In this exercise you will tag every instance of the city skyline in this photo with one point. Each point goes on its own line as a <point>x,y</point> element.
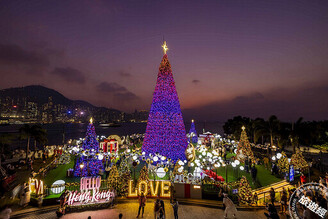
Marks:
<point>228,58</point>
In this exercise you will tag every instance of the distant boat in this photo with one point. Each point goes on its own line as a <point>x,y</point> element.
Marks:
<point>113,124</point>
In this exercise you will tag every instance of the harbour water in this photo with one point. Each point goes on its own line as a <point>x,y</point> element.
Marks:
<point>77,130</point>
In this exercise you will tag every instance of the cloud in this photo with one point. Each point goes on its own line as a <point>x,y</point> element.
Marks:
<point>117,91</point>
<point>288,104</point>
<point>70,75</point>
<point>31,61</point>
<point>124,74</point>
<point>195,81</point>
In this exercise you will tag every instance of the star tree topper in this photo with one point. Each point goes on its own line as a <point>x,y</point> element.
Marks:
<point>164,47</point>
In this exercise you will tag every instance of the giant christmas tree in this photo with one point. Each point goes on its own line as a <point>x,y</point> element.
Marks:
<point>193,133</point>
<point>165,132</point>
<point>88,159</point>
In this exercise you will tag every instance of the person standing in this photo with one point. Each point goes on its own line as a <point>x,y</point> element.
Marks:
<point>142,203</point>
<point>175,206</point>
<point>229,206</point>
<point>162,210</point>
<point>156,208</point>
<point>284,201</point>
<point>272,195</point>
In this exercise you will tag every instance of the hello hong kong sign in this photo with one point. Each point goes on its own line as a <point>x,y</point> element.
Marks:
<point>89,193</point>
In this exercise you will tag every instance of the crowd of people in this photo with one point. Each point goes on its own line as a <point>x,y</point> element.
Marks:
<point>159,207</point>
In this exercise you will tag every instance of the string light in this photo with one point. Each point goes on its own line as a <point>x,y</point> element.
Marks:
<point>165,132</point>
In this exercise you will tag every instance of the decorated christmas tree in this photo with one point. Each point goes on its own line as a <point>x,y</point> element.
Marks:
<point>114,178</point>
<point>88,163</point>
<point>298,161</point>
<point>283,163</point>
<point>245,191</point>
<point>144,177</point>
<point>193,133</point>
<point>244,149</point>
<point>165,132</point>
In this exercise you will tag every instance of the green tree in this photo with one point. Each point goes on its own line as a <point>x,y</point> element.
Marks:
<point>269,128</point>
<point>5,140</point>
<point>39,135</point>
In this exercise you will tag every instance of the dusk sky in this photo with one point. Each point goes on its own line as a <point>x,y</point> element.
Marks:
<point>250,58</point>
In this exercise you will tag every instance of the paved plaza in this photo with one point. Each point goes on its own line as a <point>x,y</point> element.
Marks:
<point>129,210</point>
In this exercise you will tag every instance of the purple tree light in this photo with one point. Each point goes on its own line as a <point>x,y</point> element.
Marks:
<point>165,132</point>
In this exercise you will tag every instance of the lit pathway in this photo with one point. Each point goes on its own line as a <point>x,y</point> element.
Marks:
<point>129,210</point>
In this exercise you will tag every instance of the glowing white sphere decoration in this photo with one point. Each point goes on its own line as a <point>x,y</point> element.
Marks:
<point>58,187</point>
<point>180,163</point>
<point>237,162</point>
<point>163,158</point>
<point>233,165</point>
<point>204,153</point>
<point>134,157</point>
<point>155,158</point>
<point>241,167</point>
<point>160,172</point>
<point>274,158</point>
<point>192,164</point>
<point>180,169</point>
<point>279,155</point>
<point>197,172</point>
<point>100,156</point>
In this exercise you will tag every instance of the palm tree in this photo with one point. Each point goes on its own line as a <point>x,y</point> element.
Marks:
<point>39,135</point>
<point>296,133</point>
<point>26,133</point>
<point>269,128</point>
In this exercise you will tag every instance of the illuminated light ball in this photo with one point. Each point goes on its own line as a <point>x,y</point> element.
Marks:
<point>160,172</point>
<point>279,155</point>
<point>163,158</point>
<point>218,164</point>
<point>197,172</point>
<point>209,154</point>
<point>185,161</point>
<point>180,169</point>
<point>235,151</point>
<point>58,187</point>
<point>241,167</point>
<point>200,156</point>
<point>274,158</point>
<point>100,157</point>
<point>289,160</point>
<point>138,161</point>
<point>199,142</point>
<point>204,153</point>
<point>155,158</point>
<point>180,163</point>
<point>208,168</point>
<point>210,160</point>
<point>143,153</point>
<point>233,165</point>
<point>128,150</point>
<point>237,162</point>
<point>134,157</point>
<point>192,164</point>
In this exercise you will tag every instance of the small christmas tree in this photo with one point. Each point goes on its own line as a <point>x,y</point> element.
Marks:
<point>193,133</point>
<point>144,177</point>
<point>88,159</point>
<point>124,166</point>
<point>123,185</point>
<point>114,178</point>
<point>244,148</point>
<point>245,191</point>
<point>298,161</point>
<point>283,163</point>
